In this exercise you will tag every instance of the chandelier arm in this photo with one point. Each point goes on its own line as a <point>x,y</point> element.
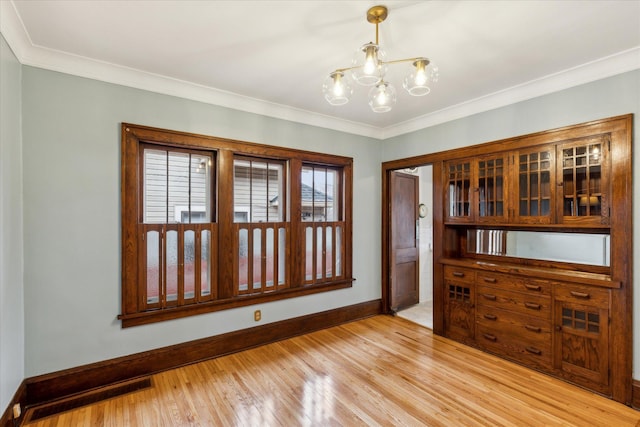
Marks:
<point>397,61</point>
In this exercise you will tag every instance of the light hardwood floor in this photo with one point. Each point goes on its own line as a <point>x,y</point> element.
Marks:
<point>379,371</point>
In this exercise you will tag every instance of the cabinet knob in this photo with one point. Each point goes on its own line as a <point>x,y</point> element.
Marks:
<point>458,274</point>
<point>533,287</point>
<point>490,316</point>
<point>532,328</point>
<point>558,328</point>
<point>532,306</point>
<point>489,297</point>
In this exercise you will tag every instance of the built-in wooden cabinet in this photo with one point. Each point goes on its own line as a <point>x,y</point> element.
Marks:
<point>581,334</point>
<point>460,300</point>
<point>560,315</point>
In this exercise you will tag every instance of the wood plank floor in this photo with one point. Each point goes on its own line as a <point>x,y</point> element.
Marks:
<point>382,371</point>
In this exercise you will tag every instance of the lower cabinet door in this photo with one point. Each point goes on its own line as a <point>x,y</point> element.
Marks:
<point>460,311</point>
<point>581,353</point>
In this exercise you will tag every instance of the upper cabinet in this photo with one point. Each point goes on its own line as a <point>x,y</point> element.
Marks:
<point>560,183</point>
<point>583,175</point>
<point>534,180</point>
<point>476,190</point>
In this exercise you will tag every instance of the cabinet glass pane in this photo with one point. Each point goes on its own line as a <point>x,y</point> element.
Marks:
<point>491,187</point>
<point>459,176</point>
<point>582,174</point>
<point>534,182</point>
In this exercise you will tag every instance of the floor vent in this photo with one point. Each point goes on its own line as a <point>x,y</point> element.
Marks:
<point>73,402</point>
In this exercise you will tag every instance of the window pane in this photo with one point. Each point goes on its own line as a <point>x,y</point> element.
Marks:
<point>243,259</point>
<point>178,190</point>
<point>241,190</point>
<point>282,235</point>
<point>258,191</point>
<point>257,258</point>
<point>153,267</point>
<point>308,265</point>
<point>189,264</point>
<point>200,189</point>
<point>205,262</point>
<point>319,252</point>
<point>155,187</point>
<point>275,193</point>
<point>270,242</point>
<point>338,251</point>
<point>329,252</point>
<point>171,270</point>
<point>320,194</point>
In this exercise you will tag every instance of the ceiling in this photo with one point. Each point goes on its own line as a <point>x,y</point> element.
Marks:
<point>271,57</point>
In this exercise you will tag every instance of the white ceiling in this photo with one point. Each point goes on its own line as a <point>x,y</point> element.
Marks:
<point>271,57</point>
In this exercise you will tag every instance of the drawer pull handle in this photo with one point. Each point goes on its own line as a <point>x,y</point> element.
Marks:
<point>532,306</point>
<point>458,274</point>
<point>532,328</point>
<point>490,316</point>
<point>489,297</point>
<point>583,295</point>
<point>489,279</point>
<point>533,287</point>
<point>490,337</point>
<point>533,350</point>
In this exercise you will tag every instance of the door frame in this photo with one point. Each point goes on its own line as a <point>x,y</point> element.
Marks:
<point>435,161</point>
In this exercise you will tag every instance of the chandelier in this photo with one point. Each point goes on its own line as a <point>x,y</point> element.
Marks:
<point>369,67</point>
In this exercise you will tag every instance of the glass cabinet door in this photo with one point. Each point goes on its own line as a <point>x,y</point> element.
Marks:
<point>458,192</point>
<point>491,202</point>
<point>535,180</point>
<point>584,180</point>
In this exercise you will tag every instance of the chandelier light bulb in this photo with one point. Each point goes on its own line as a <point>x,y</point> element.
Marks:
<point>418,80</point>
<point>382,97</point>
<point>336,88</point>
<point>368,67</point>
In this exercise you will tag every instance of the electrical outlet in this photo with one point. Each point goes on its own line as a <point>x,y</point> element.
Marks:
<point>257,315</point>
<point>17,411</point>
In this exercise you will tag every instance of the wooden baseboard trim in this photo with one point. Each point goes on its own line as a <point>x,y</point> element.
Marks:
<point>93,396</point>
<point>635,394</point>
<point>62,384</point>
<point>19,397</point>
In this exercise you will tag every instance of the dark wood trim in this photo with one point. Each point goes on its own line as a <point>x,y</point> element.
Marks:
<point>19,397</point>
<point>58,385</point>
<point>635,401</point>
<point>93,396</point>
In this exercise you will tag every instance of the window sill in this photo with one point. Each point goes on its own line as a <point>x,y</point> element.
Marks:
<point>154,316</point>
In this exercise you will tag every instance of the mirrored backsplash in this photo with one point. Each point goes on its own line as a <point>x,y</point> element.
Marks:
<point>579,248</point>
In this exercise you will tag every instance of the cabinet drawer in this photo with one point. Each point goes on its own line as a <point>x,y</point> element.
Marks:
<point>519,284</point>
<point>458,274</point>
<point>530,305</point>
<point>527,330</point>
<point>497,341</point>
<point>588,295</point>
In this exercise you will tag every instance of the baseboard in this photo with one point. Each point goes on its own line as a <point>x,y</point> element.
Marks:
<point>62,384</point>
<point>19,397</point>
<point>635,394</point>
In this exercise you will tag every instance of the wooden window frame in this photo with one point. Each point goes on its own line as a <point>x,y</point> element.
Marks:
<point>223,297</point>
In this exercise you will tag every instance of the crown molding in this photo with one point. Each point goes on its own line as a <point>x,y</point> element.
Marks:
<point>13,30</point>
<point>609,66</point>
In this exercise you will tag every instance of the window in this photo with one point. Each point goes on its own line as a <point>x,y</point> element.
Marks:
<point>260,230</point>
<point>210,224</point>
<point>323,226</point>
